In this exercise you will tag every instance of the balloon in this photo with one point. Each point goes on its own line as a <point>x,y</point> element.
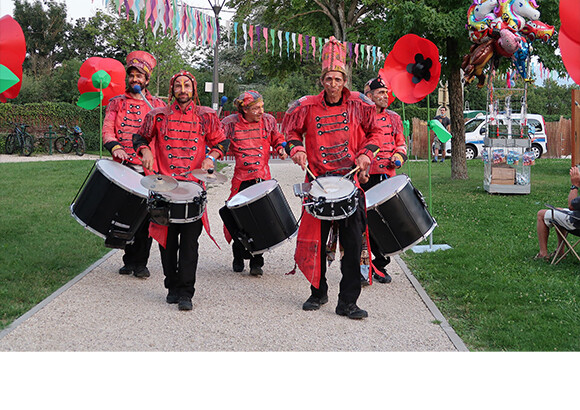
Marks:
<point>106,72</point>
<point>12,54</point>
<point>412,68</point>
<point>570,18</point>
<point>570,50</point>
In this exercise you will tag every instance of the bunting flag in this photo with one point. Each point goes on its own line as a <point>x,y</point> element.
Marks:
<point>251,33</point>
<point>301,44</point>
<point>280,41</point>
<point>245,28</point>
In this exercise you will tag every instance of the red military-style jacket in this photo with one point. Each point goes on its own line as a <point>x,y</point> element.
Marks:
<point>392,141</point>
<point>332,137</point>
<point>124,116</point>
<point>250,144</point>
<point>178,139</point>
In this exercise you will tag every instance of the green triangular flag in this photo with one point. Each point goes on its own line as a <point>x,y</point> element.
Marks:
<point>7,78</point>
<point>406,128</point>
<point>101,79</point>
<point>90,100</point>
<point>440,131</point>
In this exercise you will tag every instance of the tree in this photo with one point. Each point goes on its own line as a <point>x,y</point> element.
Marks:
<point>45,33</point>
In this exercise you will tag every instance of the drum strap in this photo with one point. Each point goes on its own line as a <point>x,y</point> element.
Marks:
<point>83,184</point>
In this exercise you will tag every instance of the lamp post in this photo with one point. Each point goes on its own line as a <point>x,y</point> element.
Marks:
<point>217,7</point>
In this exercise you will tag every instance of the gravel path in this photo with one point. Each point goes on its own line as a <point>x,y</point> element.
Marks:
<point>101,310</point>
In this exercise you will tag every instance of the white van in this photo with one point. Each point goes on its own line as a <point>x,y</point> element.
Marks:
<point>475,130</point>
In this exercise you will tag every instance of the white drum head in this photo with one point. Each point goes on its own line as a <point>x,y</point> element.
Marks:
<point>385,190</point>
<point>335,187</point>
<point>252,193</point>
<point>121,175</point>
<point>184,193</point>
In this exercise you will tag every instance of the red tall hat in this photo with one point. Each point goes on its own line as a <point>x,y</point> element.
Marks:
<point>333,57</point>
<point>142,61</point>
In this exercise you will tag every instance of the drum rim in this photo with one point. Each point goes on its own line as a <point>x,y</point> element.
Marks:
<point>84,224</point>
<point>124,187</point>
<point>276,185</point>
<point>269,248</point>
<point>395,192</point>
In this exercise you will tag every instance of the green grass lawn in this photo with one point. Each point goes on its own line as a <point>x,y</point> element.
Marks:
<point>487,286</point>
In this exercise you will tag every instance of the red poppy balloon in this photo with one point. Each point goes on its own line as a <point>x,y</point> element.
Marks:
<point>569,38</point>
<point>106,72</point>
<point>12,53</point>
<point>412,68</point>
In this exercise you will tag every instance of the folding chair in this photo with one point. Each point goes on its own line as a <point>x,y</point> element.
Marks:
<point>562,233</point>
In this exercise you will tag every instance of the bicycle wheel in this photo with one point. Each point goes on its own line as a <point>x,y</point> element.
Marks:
<point>27,145</point>
<point>10,144</point>
<point>80,146</point>
<point>63,145</point>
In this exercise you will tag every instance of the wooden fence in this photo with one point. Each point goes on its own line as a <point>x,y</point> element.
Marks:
<point>559,138</point>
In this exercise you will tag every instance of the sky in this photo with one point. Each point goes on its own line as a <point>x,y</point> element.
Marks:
<point>87,8</point>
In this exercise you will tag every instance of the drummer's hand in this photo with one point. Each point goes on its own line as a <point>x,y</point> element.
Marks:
<point>363,162</point>
<point>147,159</point>
<point>363,177</point>
<point>397,160</point>
<point>121,154</point>
<point>300,159</point>
<point>282,153</point>
<point>207,164</point>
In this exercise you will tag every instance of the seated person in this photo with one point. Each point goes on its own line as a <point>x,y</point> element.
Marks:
<point>568,219</point>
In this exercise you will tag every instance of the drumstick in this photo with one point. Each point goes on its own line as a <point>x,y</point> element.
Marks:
<point>315,180</point>
<point>358,166</point>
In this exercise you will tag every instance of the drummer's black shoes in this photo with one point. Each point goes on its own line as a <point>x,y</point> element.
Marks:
<point>127,270</point>
<point>256,271</point>
<point>314,303</point>
<point>184,303</point>
<point>351,310</point>
<point>172,298</point>
<point>141,272</point>
<point>238,265</point>
<point>380,279</point>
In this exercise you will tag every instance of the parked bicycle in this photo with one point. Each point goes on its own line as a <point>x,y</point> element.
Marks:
<point>73,140</point>
<point>19,140</point>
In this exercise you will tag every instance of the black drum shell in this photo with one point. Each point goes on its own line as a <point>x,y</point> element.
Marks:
<point>103,206</point>
<point>263,223</point>
<point>400,222</point>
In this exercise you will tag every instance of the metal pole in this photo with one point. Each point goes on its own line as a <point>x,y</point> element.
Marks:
<point>215,84</point>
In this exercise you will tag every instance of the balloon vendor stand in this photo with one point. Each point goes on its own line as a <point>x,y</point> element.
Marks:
<point>507,154</point>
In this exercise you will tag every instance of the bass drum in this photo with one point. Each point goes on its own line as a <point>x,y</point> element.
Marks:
<point>259,217</point>
<point>397,215</point>
<point>111,203</point>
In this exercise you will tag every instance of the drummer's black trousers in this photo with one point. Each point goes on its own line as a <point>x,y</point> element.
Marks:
<point>179,258</point>
<point>137,253</point>
<point>379,260</point>
<point>350,232</point>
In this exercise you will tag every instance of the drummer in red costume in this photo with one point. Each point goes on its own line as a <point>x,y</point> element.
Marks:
<point>331,133</point>
<point>123,117</point>
<point>391,157</point>
<point>178,135</point>
<point>251,133</point>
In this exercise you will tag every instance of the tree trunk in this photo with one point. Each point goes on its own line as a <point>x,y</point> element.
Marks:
<point>458,161</point>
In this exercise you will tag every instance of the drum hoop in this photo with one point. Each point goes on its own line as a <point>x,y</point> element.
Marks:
<point>395,192</point>
<point>124,187</point>
<point>282,242</point>
<point>422,238</point>
<point>84,224</point>
<point>337,199</point>
<point>265,193</point>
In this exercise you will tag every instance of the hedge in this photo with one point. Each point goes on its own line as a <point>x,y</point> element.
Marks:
<point>38,117</point>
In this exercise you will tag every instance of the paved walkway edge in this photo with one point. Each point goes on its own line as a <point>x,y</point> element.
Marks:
<point>455,339</point>
<point>55,294</point>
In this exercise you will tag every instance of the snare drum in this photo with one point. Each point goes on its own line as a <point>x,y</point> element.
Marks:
<point>112,203</point>
<point>338,202</point>
<point>397,215</point>
<point>181,205</point>
<point>259,217</point>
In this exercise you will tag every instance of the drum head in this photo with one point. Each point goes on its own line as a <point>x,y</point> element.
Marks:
<point>184,192</point>
<point>252,193</point>
<point>335,187</point>
<point>385,190</point>
<point>123,176</point>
